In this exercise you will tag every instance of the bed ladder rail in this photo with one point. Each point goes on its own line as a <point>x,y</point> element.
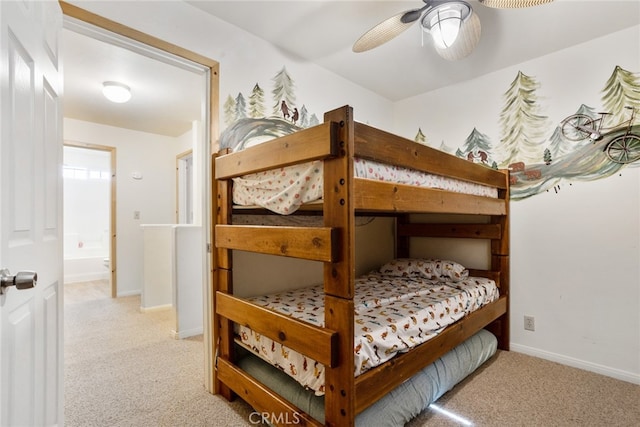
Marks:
<point>320,344</point>
<point>315,143</point>
<point>311,243</point>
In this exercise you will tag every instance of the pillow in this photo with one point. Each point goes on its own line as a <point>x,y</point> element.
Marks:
<point>438,269</point>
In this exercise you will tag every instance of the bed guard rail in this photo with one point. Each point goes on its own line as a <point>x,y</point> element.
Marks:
<point>318,343</point>
<point>315,143</point>
<point>381,146</point>
<point>311,243</point>
<point>375,383</point>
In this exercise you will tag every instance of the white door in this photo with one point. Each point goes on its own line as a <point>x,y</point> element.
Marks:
<point>31,320</point>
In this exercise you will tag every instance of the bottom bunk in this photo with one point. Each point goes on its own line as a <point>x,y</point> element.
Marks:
<point>398,406</point>
<point>404,304</point>
<point>407,315</point>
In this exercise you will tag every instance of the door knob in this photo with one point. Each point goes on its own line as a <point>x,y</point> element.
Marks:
<point>22,280</point>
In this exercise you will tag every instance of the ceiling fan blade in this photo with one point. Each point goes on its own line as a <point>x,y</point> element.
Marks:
<point>413,15</point>
<point>465,43</point>
<point>512,4</point>
<point>383,32</point>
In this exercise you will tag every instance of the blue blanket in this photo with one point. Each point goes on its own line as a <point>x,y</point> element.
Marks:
<point>400,405</point>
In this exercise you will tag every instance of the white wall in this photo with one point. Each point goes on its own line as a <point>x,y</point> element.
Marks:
<point>244,59</point>
<point>153,156</point>
<point>574,254</point>
<point>586,225</point>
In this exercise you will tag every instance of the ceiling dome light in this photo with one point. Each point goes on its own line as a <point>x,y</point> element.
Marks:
<point>116,92</point>
<point>443,22</point>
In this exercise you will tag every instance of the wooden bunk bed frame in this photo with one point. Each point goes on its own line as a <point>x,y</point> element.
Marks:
<point>336,142</point>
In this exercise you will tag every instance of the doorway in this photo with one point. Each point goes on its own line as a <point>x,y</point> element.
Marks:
<point>184,190</point>
<point>117,33</point>
<point>90,214</point>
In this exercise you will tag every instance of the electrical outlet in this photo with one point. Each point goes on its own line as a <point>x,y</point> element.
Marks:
<point>529,323</point>
<point>136,214</point>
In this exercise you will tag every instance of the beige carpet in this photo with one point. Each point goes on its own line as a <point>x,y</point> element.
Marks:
<point>124,369</point>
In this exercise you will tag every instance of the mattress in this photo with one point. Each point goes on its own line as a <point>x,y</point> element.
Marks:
<point>393,314</point>
<point>401,404</point>
<point>284,190</point>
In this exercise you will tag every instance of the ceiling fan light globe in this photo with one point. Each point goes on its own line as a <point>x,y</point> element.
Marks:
<point>466,42</point>
<point>445,28</point>
<point>444,20</point>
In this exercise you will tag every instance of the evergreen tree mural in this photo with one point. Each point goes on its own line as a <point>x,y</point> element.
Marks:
<point>547,156</point>
<point>283,90</point>
<point>621,90</point>
<point>523,128</point>
<point>559,145</point>
<point>256,102</point>
<point>478,144</point>
<point>445,148</point>
<point>420,138</point>
<point>304,117</point>
<point>229,108</point>
<point>241,107</point>
<point>313,120</point>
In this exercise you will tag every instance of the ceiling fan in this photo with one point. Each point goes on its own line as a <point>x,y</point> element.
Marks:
<point>452,24</point>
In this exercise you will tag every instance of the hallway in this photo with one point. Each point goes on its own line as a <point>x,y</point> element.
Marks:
<point>122,368</point>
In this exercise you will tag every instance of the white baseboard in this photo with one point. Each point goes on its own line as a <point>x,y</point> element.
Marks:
<point>577,363</point>
<point>156,308</point>
<point>129,293</point>
<point>85,277</point>
<point>186,334</point>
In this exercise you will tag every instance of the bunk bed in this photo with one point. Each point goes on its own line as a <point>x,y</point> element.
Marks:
<point>337,148</point>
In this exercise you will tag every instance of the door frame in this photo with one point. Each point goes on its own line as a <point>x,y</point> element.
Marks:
<point>113,265</point>
<point>213,131</point>
<point>180,159</point>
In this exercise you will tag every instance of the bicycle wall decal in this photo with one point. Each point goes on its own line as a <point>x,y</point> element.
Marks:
<point>622,149</point>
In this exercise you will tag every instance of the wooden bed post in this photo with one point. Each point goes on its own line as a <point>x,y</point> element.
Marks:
<point>222,281</point>
<point>500,262</point>
<point>339,277</point>
<point>402,241</point>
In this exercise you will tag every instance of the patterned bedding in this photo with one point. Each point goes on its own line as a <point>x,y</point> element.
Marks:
<point>284,190</point>
<point>393,314</point>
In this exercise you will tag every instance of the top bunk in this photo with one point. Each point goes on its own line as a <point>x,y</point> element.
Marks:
<point>382,172</point>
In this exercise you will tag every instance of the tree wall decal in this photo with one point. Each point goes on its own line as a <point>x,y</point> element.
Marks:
<point>256,102</point>
<point>621,90</point>
<point>229,111</point>
<point>477,145</point>
<point>283,90</point>
<point>523,127</point>
<point>241,106</point>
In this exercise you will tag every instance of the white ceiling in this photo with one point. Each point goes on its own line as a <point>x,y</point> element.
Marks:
<point>166,97</point>
<point>323,32</point>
